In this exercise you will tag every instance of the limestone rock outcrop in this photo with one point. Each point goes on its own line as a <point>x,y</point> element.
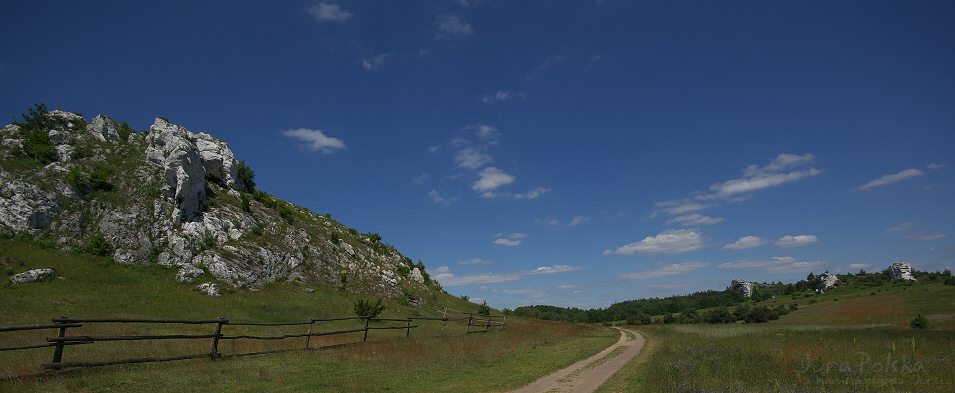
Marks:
<point>901,271</point>
<point>825,281</point>
<point>175,199</point>
<point>745,288</point>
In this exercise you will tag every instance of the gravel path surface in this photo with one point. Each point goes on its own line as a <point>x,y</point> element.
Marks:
<point>587,375</point>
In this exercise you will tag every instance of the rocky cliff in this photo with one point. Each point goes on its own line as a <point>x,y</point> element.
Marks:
<point>176,198</point>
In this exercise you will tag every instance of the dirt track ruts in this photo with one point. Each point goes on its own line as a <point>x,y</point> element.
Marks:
<point>581,378</point>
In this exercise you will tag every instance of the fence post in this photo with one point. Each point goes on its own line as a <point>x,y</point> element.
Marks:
<point>366,328</point>
<point>214,349</point>
<point>470,317</point>
<point>309,336</point>
<point>503,322</point>
<point>408,334</point>
<point>444,320</point>
<point>58,351</point>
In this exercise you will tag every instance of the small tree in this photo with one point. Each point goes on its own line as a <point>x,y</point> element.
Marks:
<point>247,176</point>
<point>484,309</point>
<point>365,308</point>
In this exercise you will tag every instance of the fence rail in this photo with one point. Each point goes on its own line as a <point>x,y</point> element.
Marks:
<point>63,324</point>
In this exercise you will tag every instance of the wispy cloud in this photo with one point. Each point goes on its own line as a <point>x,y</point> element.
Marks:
<point>476,261</point>
<point>888,179</point>
<point>773,174</point>
<point>472,158</point>
<point>796,241</point>
<point>671,241</point>
<point>665,270</point>
<point>452,26</point>
<point>447,279</point>
<point>901,227</point>
<point>775,265</point>
<point>578,220</point>
<point>437,198</point>
<point>501,95</point>
<point>329,12</point>
<point>511,240</point>
<point>375,63</point>
<point>694,219</point>
<point>925,236</point>
<point>316,140</point>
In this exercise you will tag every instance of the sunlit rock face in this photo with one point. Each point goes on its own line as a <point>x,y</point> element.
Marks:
<point>744,288</point>
<point>901,271</point>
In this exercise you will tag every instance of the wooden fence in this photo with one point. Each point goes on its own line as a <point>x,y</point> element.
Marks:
<point>475,324</point>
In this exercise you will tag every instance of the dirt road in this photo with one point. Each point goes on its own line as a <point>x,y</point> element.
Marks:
<point>587,375</point>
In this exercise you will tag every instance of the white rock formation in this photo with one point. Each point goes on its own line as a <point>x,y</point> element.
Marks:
<point>31,276</point>
<point>103,129</point>
<point>210,289</point>
<point>744,288</point>
<point>170,147</point>
<point>23,206</point>
<point>825,281</point>
<point>901,271</point>
<point>187,273</point>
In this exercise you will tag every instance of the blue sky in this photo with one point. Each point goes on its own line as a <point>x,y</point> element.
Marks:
<point>571,153</point>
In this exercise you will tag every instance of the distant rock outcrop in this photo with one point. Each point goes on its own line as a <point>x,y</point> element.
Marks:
<point>744,288</point>
<point>901,271</point>
<point>825,281</point>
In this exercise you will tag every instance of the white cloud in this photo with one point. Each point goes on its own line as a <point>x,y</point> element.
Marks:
<point>756,177</point>
<point>437,198</point>
<point>775,265</point>
<point>746,242</point>
<point>491,178</point>
<point>375,62</point>
<point>578,220</point>
<point>476,261</point>
<point>472,158</point>
<point>887,179</point>
<point>501,95</point>
<point>901,227</point>
<point>329,12</point>
<point>422,178</point>
<point>795,241</point>
<point>452,26</point>
<point>666,270</point>
<point>936,166</point>
<point>447,279</point>
<point>507,242</point>
<point>694,220</point>
<point>316,140</point>
<point>925,236</point>
<point>532,193</point>
<point>680,207</point>
<point>553,269</point>
<point>671,241</point>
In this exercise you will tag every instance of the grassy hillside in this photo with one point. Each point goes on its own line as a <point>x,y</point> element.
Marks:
<point>432,359</point>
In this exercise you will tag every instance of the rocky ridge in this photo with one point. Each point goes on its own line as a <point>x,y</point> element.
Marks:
<point>174,197</point>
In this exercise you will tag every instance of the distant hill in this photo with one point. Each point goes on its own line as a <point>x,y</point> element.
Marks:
<point>176,198</point>
<point>689,308</point>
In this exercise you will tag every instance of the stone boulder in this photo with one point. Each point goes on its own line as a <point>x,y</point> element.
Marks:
<point>901,271</point>
<point>103,129</point>
<point>187,273</point>
<point>825,281</point>
<point>210,289</point>
<point>31,276</point>
<point>744,288</point>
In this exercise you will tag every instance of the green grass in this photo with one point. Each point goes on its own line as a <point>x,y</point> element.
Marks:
<point>860,342</point>
<point>430,360</point>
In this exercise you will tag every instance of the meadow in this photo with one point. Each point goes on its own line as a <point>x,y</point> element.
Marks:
<point>855,341</point>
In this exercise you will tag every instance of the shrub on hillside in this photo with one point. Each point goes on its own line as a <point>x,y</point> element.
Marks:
<point>247,175</point>
<point>365,308</point>
<point>98,245</point>
<point>484,309</point>
<point>919,322</point>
